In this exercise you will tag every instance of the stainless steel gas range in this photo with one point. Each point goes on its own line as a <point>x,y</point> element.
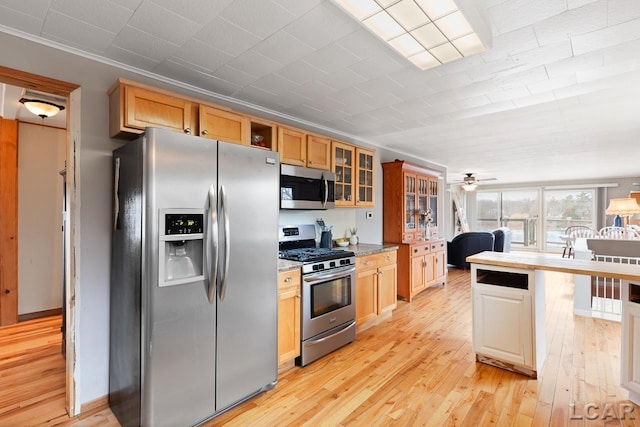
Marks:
<point>328,292</point>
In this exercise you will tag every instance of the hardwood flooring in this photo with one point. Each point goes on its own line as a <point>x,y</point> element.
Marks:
<point>415,368</point>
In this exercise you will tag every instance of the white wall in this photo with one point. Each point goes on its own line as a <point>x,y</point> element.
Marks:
<point>41,154</point>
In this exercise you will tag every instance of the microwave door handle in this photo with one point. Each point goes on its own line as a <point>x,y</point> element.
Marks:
<point>326,191</point>
<point>227,242</point>
<point>212,258</point>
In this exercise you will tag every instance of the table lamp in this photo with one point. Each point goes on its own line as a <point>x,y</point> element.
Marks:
<point>624,207</point>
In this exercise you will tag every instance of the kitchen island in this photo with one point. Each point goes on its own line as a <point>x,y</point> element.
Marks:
<point>509,310</point>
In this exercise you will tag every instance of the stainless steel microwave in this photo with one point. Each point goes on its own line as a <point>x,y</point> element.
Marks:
<point>306,188</point>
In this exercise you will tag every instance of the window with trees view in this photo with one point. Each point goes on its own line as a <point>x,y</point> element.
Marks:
<point>519,210</point>
<point>564,208</point>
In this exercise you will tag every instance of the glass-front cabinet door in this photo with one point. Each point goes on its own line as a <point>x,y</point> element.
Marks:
<point>409,206</point>
<point>423,202</point>
<point>433,201</point>
<point>343,156</point>
<point>365,177</point>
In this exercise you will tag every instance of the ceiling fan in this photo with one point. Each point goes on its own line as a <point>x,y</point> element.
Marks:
<point>470,182</point>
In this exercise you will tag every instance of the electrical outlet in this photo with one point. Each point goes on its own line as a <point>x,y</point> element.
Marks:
<point>369,215</point>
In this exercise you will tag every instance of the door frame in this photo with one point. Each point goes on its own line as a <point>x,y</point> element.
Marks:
<point>71,235</point>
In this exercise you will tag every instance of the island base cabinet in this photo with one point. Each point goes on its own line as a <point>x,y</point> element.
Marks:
<point>508,318</point>
<point>630,372</point>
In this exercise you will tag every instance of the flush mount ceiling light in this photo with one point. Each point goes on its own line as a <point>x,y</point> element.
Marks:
<point>41,108</point>
<point>426,32</point>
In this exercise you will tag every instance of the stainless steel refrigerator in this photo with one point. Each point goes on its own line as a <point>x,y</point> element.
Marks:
<point>193,278</point>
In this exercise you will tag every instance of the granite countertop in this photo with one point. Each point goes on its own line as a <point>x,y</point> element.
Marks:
<point>286,265</point>
<point>361,249</point>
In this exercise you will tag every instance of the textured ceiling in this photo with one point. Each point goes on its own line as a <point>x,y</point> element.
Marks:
<point>557,97</point>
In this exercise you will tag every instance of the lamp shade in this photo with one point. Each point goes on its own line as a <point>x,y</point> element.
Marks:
<point>623,207</point>
<point>41,108</point>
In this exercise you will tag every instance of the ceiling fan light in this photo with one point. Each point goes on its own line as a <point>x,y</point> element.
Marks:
<point>469,186</point>
<point>41,108</point>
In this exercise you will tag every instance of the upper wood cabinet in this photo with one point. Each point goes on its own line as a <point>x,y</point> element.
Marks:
<point>264,134</point>
<point>364,183</point>
<point>292,146</point>
<point>223,125</point>
<point>298,148</point>
<point>353,167</point>
<point>133,108</point>
<point>343,165</point>
<point>318,152</point>
<point>409,192</point>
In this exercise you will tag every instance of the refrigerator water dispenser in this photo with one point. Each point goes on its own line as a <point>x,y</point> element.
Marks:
<point>181,246</point>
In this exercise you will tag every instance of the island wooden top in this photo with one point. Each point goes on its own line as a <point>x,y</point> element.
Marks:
<point>551,262</point>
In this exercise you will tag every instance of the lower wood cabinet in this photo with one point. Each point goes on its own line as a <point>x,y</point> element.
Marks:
<point>289,293</point>
<point>421,265</point>
<point>376,286</point>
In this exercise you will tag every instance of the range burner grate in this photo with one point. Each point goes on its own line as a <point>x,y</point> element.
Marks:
<point>313,254</point>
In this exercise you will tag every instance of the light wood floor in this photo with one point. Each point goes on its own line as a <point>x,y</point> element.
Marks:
<point>417,368</point>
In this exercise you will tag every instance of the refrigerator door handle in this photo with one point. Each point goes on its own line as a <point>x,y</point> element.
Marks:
<point>212,258</point>
<point>227,242</point>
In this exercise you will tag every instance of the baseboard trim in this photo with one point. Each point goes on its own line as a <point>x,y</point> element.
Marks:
<point>39,314</point>
<point>95,405</point>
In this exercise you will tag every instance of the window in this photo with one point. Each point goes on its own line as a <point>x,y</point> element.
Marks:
<point>519,210</point>
<point>516,209</point>
<point>564,208</point>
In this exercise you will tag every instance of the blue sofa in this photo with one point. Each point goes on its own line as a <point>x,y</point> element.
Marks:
<point>465,244</point>
<point>502,239</point>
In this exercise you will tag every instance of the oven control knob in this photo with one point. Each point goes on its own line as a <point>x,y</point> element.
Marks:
<point>332,264</point>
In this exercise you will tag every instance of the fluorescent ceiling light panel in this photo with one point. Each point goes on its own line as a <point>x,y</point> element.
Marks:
<point>429,36</point>
<point>408,14</point>
<point>406,45</point>
<point>454,25</point>
<point>427,32</point>
<point>362,9</point>
<point>384,26</point>
<point>469,44</point>
<point>424,60</point>
<point>437,8</point>
<point>446,53</point>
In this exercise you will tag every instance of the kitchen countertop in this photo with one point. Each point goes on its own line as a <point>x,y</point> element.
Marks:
<point>361,249</point>
<point>553,262</point>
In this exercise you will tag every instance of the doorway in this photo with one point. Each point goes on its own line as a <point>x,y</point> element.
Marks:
<point>8,228</point>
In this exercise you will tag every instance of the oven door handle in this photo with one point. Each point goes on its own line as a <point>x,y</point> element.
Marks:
<point>327,277</point>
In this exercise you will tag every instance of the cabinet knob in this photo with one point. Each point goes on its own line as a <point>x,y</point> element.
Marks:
<point>288,280</point>
<point>310,162</point>
<point>298,296</point>
<point>415,251</point>
<point>187,131</point>
<point>366,262</point>
<point>205,132</point>
<point>7,291</point>
<point>388,258</point>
